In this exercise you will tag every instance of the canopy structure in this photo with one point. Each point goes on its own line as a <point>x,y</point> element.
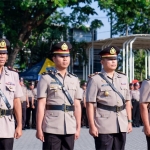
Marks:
<point>127,44</point>
<point>34,72</point>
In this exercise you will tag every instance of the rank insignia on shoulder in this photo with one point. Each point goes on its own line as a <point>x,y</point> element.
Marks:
<point>12,69</point>
<point>73,74</point>
<point>147,79</point>
<point>93,74</point>
<point>44,73</point>
<point>121,72</point>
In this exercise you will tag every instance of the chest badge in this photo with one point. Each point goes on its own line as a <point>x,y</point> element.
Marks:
<point>106,93</point>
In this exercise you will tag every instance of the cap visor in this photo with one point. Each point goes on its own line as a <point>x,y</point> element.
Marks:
<point>63,55</point>
<point>110,58</point>
<point>3,51</point>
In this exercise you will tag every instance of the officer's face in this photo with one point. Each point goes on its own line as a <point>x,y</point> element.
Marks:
<point>136,87</point>
<point>61,62</point>
<point>31,86</point>
<point>109,63</point>
<point>3,59</point>
<point>21,83</point>
<point>83,87</point>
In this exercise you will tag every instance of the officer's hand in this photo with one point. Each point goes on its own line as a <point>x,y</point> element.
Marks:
<point>93,131</point>
<point>39,135</point>
<point>18,132</point>
<point>27,105</point>
<point>129,127</point>
<point>33,106</point>
<point>147,131</point>
<point>76,136</point>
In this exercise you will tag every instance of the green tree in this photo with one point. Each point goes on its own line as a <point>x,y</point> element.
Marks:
<point>21,21</point>
<point>129,17</point>
<point>139,64</point>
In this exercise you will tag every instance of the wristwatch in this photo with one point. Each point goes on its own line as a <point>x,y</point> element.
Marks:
<point>130,121</point>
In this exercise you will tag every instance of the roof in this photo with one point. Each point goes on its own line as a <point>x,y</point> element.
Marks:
<point>142,41</point>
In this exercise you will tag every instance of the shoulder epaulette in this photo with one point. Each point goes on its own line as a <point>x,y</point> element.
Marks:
<point>73,74</point>
<point>44,73</point>
<point>121,72</point>
<point>147,79</point>
<point>47,72</point>
<point>12,69</point>
<point>93,74</point>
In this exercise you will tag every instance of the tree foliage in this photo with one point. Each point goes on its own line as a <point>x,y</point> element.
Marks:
<point>22,21</point>
<point>129,17</point>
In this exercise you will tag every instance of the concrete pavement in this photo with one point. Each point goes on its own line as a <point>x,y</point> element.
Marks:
<point>135,141</point>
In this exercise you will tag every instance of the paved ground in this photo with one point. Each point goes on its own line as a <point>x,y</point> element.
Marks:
<point>135,141</point>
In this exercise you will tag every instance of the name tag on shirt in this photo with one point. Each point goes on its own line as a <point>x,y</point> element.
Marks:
<point>104,85</point>
<point>123,83</point>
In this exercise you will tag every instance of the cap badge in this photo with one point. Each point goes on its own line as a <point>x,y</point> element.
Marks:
<point>112,51</point>
<point>64,47</point>
<point>3,44</point>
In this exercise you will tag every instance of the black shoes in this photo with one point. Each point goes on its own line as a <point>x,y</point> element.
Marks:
<point>27,127</point>
<point>24,128</point>
<point>135,125</point>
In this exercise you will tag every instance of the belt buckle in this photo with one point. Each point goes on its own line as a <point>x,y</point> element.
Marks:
<point>117,108</point>
<point>1,113</point>
<point>65,108</point>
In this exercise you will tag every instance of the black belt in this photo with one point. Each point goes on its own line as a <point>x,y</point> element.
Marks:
<point>111,108</point>
<point>4,112</point>
<point>133,100</point>
<point>60,107</point>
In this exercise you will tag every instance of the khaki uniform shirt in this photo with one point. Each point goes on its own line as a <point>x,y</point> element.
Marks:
<point>82,91</point>
<point>145,93</point>
<point>135,94</point>
<point>109,121</point>
<point>35,93</point>
<point>57,121</point>
<point>30,95</point>
<point>9,85</point>
<point>25,94</point>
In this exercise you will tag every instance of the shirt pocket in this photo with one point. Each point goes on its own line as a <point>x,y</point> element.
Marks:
<point>11,90</point>
<point>53,90</point>
<point>51,115</point>
<point>71,89</point>
<point>71,114</point>
<point>123,90</point>
<point>100,113</point>
<point>106,91</point>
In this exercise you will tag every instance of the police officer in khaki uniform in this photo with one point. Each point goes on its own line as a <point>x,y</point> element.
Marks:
<point>34,91</point>
<point>135,97</point>
<point>108,104</point>
<point>24,102</point>
<point>10,91</point>
<point>31,104</point>
<point>84,120</point>
<point>144,108</point>
<point>58,116</point>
